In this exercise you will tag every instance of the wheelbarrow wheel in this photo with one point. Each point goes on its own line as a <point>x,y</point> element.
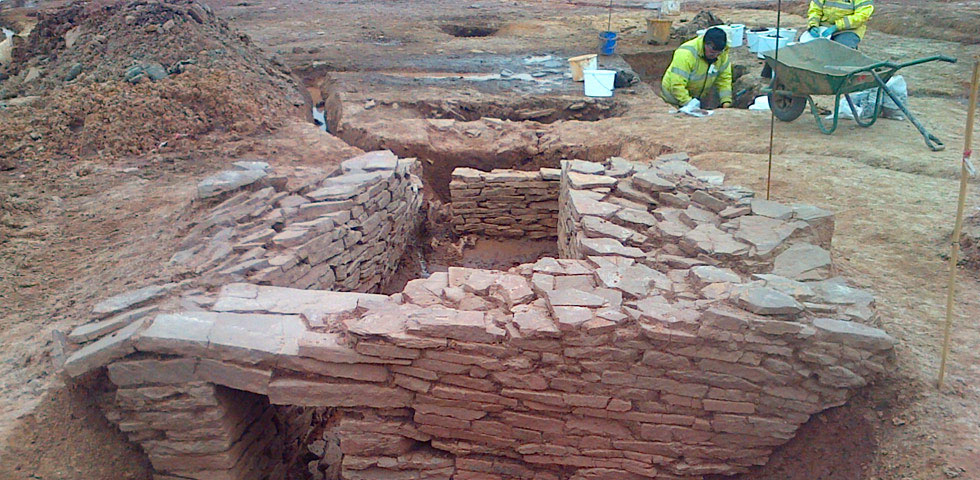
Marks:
<point>786,107</point>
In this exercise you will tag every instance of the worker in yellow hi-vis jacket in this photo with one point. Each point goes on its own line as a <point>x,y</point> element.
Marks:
<point>699,70</point>
<point>843,21</point>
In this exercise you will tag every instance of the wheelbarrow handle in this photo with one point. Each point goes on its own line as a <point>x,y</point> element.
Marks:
<point>941,58</point>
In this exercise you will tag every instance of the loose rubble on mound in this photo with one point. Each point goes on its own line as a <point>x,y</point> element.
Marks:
<point>132,78</point>
<point>688,329</point>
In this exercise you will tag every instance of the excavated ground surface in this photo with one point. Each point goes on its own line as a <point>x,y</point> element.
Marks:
<point>75,231</point>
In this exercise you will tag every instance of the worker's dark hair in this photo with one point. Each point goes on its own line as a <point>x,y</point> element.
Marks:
<point>716,37</point>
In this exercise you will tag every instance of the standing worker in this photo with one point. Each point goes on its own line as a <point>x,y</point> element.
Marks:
<point>699,73</point>
<point>843,21</point>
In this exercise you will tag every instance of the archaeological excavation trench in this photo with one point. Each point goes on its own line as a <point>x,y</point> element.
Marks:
<point>683,328</point>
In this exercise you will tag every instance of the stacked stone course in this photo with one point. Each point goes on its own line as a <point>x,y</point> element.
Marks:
<point>505,203</point>
<point>681,340</point>
<point>344,232</point>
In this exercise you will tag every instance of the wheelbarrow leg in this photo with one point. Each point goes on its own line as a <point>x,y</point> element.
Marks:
<point>816,115</point>
<point>932,142</point>
<point>874,117</point>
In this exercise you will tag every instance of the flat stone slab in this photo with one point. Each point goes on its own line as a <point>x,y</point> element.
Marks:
<point>581,166</point>
<point>768,301</point>
<point>535,323</point>
<point>637,280</point>
<point>439,322</point>
<point>798,290</point>
<point>674,167</point>
<point>572,297</point>
<point>311,393</point>
<point>836,291</point>
<point>768,208</point>
<point>246,338</point>
<point>570,318</point>
<point>609,246</point>
<point>104,350</point>
<point>132,298</point>
<point>245,297</point>
<point>91,331</point>
<point>764,233</point>
<point>641,218</point>
<point>585,181</point>
<point>597,227</point>
<point>228,181</point>
<point>706,274</point>
<point>584,202</point>
<point>652,182</point>
<point>803,261</point>
<point>709,239</point>
<point>371,161</point>
<point>336,191</point>
<point>384,321</point>
<point>856,334</point>
<point>328,347</point>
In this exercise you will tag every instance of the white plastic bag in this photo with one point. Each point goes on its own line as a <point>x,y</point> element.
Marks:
<point>865,100</point>
<point>761,103</point>
<point>844,110</point>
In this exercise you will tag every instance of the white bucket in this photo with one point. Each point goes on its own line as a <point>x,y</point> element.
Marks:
<point>599,83</point>
<point>768,43</point>
<point>670,7</point>
<point>752,38</point>
<point>787,32</point>
<point>736,32</point>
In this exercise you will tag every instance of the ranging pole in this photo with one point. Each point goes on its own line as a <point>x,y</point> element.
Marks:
<point>772,114</point>
<point>966,170</point>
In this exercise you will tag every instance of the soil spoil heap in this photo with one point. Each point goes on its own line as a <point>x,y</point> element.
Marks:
<point>128,78</point>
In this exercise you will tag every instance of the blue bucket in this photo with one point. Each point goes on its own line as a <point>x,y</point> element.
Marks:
<point>607,43</point>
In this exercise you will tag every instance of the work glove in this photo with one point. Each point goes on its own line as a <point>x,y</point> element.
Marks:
<point>814,32</point>
<point>829,32</point>
<point>691,106</point>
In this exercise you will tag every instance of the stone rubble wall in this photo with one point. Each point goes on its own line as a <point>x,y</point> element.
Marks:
<point>674,213</point>
<point>505,203</point>
<point>650,355</point>
<point>344,232</point>
<point>193,429</point>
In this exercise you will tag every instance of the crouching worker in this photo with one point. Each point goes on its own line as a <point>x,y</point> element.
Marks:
<point>843,21</point>
<point>700,75</point>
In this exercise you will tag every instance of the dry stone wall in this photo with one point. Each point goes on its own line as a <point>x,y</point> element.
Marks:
<point>505,203</point>
<point>662,350</point>
<point>344,232</point>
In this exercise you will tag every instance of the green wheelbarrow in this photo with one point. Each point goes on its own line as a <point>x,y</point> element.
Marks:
<point>825,67</point>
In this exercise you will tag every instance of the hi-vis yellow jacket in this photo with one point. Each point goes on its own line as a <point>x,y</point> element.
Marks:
<point>847,15</point>
<point>691,76</point>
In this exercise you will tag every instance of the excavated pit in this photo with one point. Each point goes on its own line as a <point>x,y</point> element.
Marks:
<point>469,30</point>
<point>650,66</point>
<point>541,110</point>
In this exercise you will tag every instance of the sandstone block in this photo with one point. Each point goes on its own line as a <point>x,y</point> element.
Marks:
<point>312,393</point>
<point>131,299</point>
<point>152,371</point>
<point>91,331</point>
<point>104,350</point>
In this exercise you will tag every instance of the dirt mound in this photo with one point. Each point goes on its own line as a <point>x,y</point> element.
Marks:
<point>688,30</point>
<point>126,78</point>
